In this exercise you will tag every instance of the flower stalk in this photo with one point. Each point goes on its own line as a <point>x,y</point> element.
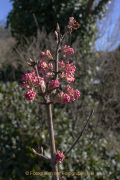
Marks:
<point>52,142</point>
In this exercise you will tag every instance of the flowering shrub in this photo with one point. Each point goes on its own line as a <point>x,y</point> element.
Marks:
<point>53,72</point>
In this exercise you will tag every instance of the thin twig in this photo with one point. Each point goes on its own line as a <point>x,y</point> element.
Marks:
<point>36,21</point>
<point>48,91</point>
<point>80,134</point>
<point>56,61</point>
<point>41,155</point>
<point>43,103</point>
<point>63,37</point>
<point>51,60</point>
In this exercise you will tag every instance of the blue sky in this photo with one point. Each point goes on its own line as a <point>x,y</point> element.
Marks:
<point>108,40</point>
<point>5,7</point>
<point>109,28</point>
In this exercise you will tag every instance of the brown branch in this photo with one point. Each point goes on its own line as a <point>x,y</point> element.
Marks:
<point>57,54</point>
<point>89,6</point>
<point>43,103</point>
<point>52,141</point>
<point>41,155</point>
<point>48,91</point>
<point>63,37</point>
<point>80,134</point>
<point>51,60</point>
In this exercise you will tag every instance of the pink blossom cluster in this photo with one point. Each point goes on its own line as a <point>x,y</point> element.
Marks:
<point>30,81</point>
<point>67,95</point>
<point>30,95</point>
<point>46,70</point>
<point>67,50</point>
<point>74,94</point>
<point>59,157</point>
<point>67,71</point>
<point>43,68</point>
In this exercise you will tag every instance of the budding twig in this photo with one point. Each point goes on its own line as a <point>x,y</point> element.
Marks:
<point>36,70</point>
<point>63,37</point>
<point>57,54</point>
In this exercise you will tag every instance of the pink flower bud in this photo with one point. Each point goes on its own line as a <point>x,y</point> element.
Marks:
<point>48,77</point>
<point>25,84</point>
<point>61,98</point>
<point>53,84</point>
<point>59,157</point>
<point>30,95</point>
<point>42,67</point>
<point>67,50</point>
<point>74,94</point>
<point>46,56</point>
<point>50,66</point>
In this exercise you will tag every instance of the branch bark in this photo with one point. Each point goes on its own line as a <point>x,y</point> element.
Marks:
<point>52,142</point>
<point>89,6</point>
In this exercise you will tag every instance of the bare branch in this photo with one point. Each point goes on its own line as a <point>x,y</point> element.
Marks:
<point>80,133</point>
<point>41,155</point>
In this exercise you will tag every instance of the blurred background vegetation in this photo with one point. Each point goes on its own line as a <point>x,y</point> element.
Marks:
<point>23,124</point>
